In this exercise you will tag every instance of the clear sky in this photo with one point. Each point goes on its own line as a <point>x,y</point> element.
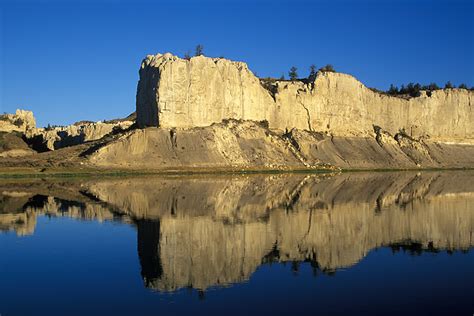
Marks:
<point>76,60</point>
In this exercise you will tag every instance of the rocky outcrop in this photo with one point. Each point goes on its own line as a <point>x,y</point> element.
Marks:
<point>174,92</point>
<point>22,121</point>
<point>43,139</point>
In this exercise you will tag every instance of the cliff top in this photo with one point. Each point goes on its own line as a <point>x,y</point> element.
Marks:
<point>161,60</point>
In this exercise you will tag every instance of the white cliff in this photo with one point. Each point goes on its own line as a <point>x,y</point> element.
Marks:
<point>174,92</point>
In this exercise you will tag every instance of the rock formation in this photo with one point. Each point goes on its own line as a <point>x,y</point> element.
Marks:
<point>214,114</point>
<point>43,139</point>
<point>22,121</point>
<point>174,92</point>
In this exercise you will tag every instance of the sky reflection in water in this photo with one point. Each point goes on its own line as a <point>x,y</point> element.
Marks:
<point>366,243</point>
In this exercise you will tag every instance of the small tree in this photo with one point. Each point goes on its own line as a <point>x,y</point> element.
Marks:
<point>433,86</point>
<point>448,85</point>
<point>282,77</point>
<point>402,90</point>
<point>293,74</point>
<point>312,72</point>
<point>199,50</point>
<point>393,90</point>
<point>187,55</point>
<point>416,90</point>
<point>462,86</point>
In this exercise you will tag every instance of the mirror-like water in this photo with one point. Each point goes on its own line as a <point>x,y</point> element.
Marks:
<point>371,243</point>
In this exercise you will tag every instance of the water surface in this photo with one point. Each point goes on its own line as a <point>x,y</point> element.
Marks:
<point>358,243</point>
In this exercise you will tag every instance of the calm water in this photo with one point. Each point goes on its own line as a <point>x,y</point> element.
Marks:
<point>362,243</point>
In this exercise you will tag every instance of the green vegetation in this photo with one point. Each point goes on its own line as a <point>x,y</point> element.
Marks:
<point>199,50</point>
<point>414,89</point>
<point>312,72</point>
<point>293,74</point>
<point>327,68</point>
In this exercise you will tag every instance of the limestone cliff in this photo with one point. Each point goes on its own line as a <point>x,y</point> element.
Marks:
<point>174,92</point>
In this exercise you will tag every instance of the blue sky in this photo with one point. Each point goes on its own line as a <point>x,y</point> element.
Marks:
<point>75,60</point>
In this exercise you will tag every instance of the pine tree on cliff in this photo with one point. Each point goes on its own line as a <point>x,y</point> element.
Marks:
<point>199,50</point>
<point>433,86</point>
<point>187,55</point>
<point>393,90</point>
<point>312,72</point>
<point>293,74</point>
<point>448,85</point>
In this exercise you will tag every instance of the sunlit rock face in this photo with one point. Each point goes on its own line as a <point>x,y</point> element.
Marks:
<point>22,121</point>
<point>202,232</point>
<point>251,145</point>
<point>173,92</point>
<point>44,139</point>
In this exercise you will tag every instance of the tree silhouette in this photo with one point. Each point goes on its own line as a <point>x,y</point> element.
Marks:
<point>199,50</point>
<point>312,72</point>
<point>393,90</point>
<point>293,74</point>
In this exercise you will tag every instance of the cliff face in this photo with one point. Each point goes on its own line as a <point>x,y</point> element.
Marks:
<point>174,92</point>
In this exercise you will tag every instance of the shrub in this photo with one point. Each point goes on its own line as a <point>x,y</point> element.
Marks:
<point>327,68</point>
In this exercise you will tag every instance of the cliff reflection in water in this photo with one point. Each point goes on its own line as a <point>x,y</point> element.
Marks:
<point>209,231</point>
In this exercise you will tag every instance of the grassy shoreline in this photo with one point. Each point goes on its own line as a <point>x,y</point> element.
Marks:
<point>6,173</point>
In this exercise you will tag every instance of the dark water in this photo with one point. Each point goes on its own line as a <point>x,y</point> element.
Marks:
<point>362,243</point>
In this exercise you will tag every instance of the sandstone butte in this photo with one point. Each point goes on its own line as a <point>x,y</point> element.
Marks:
<point>213,113</point>
<point>174,92</point>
